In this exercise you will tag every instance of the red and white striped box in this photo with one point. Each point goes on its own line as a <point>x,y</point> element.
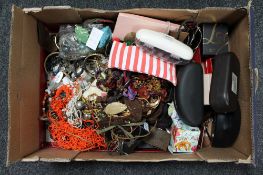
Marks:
<point>135,59</point>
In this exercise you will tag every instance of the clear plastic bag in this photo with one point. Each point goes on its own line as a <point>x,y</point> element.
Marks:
<point>71,49</point>
<point>72,40</point>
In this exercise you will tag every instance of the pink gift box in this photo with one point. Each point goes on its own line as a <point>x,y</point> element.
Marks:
<point>127,23</point>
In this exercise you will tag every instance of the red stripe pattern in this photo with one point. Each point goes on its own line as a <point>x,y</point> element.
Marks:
<point>133,58</point>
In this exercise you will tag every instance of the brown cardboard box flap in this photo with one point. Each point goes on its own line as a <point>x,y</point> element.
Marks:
<point>136,157</point>
<point>38,9</point>
<point>23,87</point>
<point>221,155</point>
<point>166,14</point>
<point>239,44</point>
<point>13,108</point>
<point>207,154</point>
<point>75,15</point>
<point>56,14</point>
<point>230,16</point>
<point>60,155</point>
<point>51,155</point>
<point>173,15</point>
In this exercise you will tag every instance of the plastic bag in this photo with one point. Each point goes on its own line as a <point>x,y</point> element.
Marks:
<point>73,39</point>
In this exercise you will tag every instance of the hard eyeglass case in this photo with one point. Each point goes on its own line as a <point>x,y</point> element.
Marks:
<point>164,46</point>
<point>226,128</point>
<point>224,84</point>
<point>189,94</point>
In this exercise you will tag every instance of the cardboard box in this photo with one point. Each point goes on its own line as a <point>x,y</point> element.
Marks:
<point>26,76</point>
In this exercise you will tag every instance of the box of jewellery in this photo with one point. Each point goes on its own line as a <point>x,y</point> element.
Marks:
<point>81,88</point>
